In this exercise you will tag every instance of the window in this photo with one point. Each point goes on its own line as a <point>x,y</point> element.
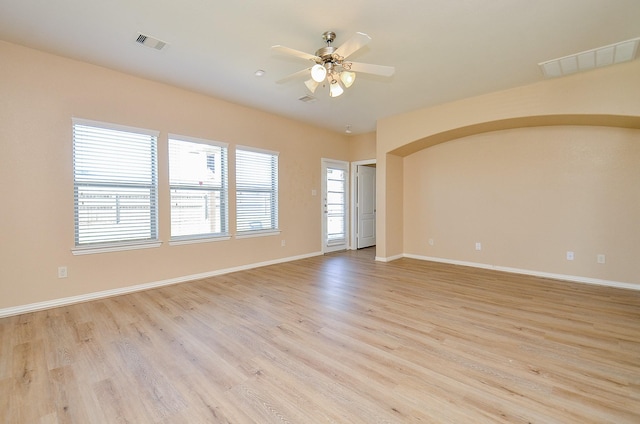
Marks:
<point>198,183</point>
<point>256,190</point>
<point>336,206</point>
<point>115,184</point>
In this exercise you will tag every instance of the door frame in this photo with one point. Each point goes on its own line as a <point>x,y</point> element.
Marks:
<point>353,219</point>
<point>347,204</point>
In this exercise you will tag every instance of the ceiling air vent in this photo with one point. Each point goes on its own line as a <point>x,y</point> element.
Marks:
<point>308,99</point>
<point>149,41</point>
<point>624,51</point>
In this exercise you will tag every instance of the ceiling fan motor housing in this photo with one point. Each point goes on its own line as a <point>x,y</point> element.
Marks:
<point>329,59</point>
<point>326,53</point>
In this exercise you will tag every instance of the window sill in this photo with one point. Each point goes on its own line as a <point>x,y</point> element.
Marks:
<point>263,233</point>
<point>193,240</point>
<point>119,247</point>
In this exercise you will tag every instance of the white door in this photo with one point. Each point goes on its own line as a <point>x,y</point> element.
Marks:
<point>335,206</point>
<point>366,206</point>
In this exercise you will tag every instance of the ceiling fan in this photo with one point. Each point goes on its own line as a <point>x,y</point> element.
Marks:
<point>331,64</point>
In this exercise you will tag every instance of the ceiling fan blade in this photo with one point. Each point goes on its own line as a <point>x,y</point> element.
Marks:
<point>299,74</point>
<point>293,52</point>
<point>367,68</point>
<point>354,43</point>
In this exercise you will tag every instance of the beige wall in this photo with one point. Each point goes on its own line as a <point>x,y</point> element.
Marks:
<point>529,195</point>
<point>39,95</point>
<point>394,221</point>
<point>606,97</point>
<point>362,147</point>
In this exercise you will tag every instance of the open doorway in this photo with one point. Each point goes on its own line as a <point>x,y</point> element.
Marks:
<point>363,184</point>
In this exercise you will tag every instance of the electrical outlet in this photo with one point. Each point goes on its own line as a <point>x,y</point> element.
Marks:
<point>431,242</point>
<point>62,272</point>
<point>478,246</point>
<point>570,255</point>
<point>283,243</point>
<point>601,259</point>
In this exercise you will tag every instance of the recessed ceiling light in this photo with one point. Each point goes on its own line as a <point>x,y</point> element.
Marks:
<point>624,51</point>
<point>259,73</point>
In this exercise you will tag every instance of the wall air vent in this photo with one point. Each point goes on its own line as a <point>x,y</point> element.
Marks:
<point>623,51</point>
<point>151,42</point>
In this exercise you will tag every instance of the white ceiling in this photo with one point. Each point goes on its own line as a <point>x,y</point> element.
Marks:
<point>442,50</point>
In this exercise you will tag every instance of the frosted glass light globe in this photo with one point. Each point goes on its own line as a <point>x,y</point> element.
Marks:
<point>318,73</point>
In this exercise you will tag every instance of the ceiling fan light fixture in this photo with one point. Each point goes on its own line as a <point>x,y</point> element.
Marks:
<point>318,73</point>
<point>347,78</point>
<point>329,65</point>
<point>312,85</point>
<point>335,89</point>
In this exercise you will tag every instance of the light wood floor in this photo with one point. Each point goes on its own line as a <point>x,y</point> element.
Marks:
<point>334,339</point>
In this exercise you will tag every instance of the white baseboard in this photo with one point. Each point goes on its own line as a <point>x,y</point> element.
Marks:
<point>563,277</point>
<point>389,258</point>
<point>55,303</point>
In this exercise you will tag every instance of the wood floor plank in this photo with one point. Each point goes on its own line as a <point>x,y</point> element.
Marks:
<point>67,396</point>
<point>6,347</point>
<point>30,395</point>
<point>334,339</point>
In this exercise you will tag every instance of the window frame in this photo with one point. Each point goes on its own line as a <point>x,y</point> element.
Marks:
<point>127,243</point>
<point>274,229</point>
<point>224,193</point>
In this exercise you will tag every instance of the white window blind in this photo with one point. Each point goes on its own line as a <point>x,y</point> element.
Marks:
<point>198,183</point>
<point>115,184</point>
<point>256,190</point>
